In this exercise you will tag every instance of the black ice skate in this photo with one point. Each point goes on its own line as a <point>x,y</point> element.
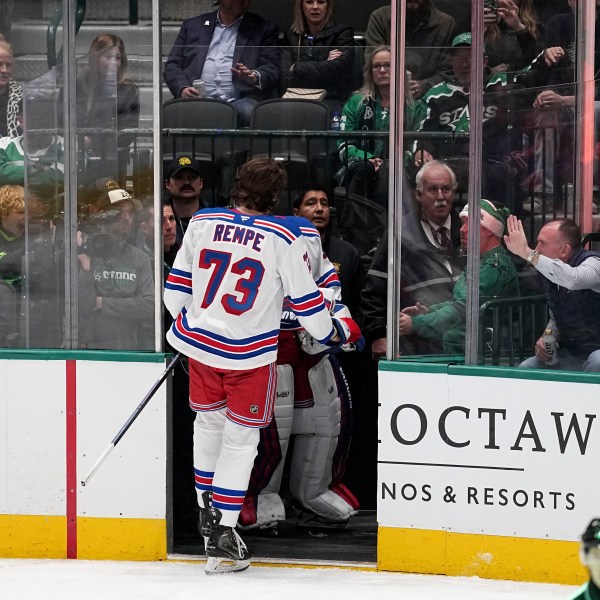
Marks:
<point>204,517</point>
<point>225,549</point>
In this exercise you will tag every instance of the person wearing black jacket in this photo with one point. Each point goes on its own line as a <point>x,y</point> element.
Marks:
<point>360,422</point>
<point>235,53</point>
<point>318,52</point>
<point>430,262</point>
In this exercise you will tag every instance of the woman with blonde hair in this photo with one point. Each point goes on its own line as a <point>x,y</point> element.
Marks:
<point>368,110</point>
<point>318,52</point>
<point>11,93</point>
<point>512,35</point>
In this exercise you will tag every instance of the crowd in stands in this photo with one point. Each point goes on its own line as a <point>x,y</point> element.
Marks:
<point>243,59</point>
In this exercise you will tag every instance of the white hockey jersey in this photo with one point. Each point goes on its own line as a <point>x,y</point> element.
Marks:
<point>322,270</point>
<point>227,285</point>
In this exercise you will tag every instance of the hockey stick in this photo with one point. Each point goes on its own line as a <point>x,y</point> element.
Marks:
<point>134,415</point>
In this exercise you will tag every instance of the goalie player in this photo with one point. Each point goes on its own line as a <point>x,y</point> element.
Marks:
<point>313,403</point>
<point>225,293</point>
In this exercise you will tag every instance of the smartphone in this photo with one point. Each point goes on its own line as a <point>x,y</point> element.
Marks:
<point>491,4</point>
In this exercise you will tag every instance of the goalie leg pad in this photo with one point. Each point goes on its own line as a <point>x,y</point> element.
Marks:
<point>263,506</point>
<point>317,432</point>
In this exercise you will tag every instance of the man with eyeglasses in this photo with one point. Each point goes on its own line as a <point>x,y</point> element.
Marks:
<point>429,32</point>
<point>430,262</point>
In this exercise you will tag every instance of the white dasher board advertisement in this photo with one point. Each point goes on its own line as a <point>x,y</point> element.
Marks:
<point>495,456</point>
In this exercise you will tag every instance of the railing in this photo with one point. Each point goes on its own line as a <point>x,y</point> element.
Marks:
<point>134,12</point>
<point>509,328</point>
<point>55,58</point>
<point>322,164</point>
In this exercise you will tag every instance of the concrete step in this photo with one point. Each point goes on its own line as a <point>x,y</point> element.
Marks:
<point>173,10</point>
<point>31,66</point>
<point>29,37</point>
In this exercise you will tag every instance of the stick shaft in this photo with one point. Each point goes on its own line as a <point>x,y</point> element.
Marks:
<point>134,415</point>
<point>97,464</point>
<point>140,407</point>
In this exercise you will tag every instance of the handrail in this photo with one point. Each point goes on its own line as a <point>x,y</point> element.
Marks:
<point>55,58</point>
<point>590,238</point>
<point>507,327</point>
<point>309,133</point>
<point>513,300</point>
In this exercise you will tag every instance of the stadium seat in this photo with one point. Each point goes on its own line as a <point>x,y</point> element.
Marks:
<point>214,153</point>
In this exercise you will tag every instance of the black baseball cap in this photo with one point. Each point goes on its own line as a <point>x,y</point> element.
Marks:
<point>183,162</point>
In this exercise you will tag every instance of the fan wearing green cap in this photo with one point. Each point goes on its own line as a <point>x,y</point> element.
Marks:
<point>590,557</point>
<point>428,32</point>
<point>444,323</point>
<point>445,108</point>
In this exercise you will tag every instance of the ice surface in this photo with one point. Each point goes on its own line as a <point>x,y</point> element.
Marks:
<point>108,580</point>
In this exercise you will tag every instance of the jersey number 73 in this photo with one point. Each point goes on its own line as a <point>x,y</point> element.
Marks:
<point>250,273</point>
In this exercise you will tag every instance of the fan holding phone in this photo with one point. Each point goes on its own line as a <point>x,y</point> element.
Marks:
<point>512,35</point>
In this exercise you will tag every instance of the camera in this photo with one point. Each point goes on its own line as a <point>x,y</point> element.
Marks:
<point>94,241</point>
<point>104,244</point>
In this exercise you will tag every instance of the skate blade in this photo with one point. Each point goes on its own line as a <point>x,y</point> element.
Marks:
<point>221,566</point>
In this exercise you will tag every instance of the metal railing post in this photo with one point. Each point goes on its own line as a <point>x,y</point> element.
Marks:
<point>134,12</point>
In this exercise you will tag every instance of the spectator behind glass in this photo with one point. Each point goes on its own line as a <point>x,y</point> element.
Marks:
<point>107,98</point>
<point>116,287</point>
<point>505,102</point>
<point>368,110</point>
<point>511,35</point>
<point>233,51</point>
<point>428,35</point>
<point>11,93</point>
<point>12,228</point>
<point>318,52</point>
<point>38,151</point>
<point>444,323</point>
<point>570,279</point>
<point>430,261</point>
<point>554,113</point>
<point>12,249</point>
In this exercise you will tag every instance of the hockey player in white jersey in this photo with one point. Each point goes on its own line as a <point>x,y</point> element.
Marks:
<point>225,293</point>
